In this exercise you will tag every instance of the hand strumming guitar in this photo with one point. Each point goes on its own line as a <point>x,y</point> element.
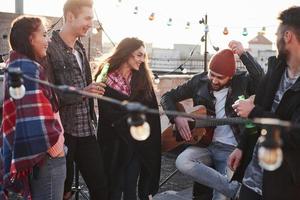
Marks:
<point>183,127</point>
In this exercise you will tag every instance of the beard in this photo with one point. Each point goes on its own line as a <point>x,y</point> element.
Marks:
<point>218,87</point>
<point>281,50</point>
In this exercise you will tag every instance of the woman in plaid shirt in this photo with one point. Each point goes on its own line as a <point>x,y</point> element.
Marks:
<point>128,161</point>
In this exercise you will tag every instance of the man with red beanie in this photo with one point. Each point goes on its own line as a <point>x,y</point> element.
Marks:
<point>217,90</point>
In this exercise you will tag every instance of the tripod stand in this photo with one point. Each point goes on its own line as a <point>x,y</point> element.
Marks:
<point>77,188</point>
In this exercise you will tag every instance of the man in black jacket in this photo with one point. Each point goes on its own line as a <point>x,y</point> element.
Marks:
<point>217,90</point>
<point>68,65</point>
<point>277,97</point>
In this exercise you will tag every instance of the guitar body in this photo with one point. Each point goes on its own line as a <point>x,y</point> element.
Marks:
<point>171,138</point>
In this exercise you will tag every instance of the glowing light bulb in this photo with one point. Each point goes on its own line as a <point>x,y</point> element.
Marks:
<point>188,25</point>
<point>206,29</point>
<point>151,17</point>
<point>141,132</point>
<point>225,31</point>
<point>17,92</point>
<point>94,31</point>
<point>269,159</point>
<point>136,10</point>
<point>245,32</point>
<point>263,30</point>
<point>156,80</point>
<point>169,22</point>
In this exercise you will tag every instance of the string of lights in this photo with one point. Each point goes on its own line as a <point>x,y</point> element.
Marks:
<point>54,24</point>
<point>270,153</point>
<point>187,24</point>
<point>101,28</point>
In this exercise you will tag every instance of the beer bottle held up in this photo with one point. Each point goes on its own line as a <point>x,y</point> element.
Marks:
<point>248,125</point>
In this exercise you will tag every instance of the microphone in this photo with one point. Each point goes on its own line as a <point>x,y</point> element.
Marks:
<point>15,81</point>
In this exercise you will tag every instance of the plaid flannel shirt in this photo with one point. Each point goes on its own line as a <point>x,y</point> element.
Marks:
<point>29,128</point>
<point>119,83</point>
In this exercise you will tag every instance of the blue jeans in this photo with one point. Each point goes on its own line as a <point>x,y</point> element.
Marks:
<point>48,180</point>
<point>208,166</point>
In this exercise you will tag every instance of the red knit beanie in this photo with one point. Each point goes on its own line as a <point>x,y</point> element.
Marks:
<point>223,63</point>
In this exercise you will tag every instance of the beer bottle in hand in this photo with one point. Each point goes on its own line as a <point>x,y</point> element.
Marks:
<point>102,77</point>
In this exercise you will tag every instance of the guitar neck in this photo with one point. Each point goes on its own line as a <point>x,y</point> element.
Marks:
<point>210,122</point>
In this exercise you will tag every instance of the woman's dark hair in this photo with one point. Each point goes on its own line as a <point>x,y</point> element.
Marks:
<point>22,28</point>
<point>141,82</point>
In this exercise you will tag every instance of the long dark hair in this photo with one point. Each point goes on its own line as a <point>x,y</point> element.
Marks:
<point>141,82</point>
<point>22,28</point>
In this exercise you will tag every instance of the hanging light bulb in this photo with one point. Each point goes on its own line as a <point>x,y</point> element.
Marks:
<point>225,31</point>
<point>156,79</point>
<point>245,32</point>
<point>206,29</point>
<point>94,31</point>
<point>188,25</point>
<point>119,2</point>
<point>136,9</point>
<point>216,48</point>
<point>139,129</point>
<point>269,153</point>
<point>16,89</point>
<point>270,159</point>
<point>263,30</point>
<point>169,22</point>
<point>183,70</point>
<point>151,17</point>
<point>201,21</point>
<point>141,132</point>
<point>18,92</point>
<point>203,38</point>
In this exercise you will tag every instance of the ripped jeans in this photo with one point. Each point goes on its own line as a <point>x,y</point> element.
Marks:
<point>208,166</point>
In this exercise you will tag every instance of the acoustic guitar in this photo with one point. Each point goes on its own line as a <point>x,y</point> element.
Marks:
<point>202,130</point>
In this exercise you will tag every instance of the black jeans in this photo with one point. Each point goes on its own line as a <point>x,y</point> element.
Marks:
<point>248,194</point>
<point>128,181</point>
<point>86,153</point>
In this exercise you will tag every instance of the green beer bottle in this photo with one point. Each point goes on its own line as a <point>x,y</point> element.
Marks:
<point>248,124</point>
<point>102,77</point>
